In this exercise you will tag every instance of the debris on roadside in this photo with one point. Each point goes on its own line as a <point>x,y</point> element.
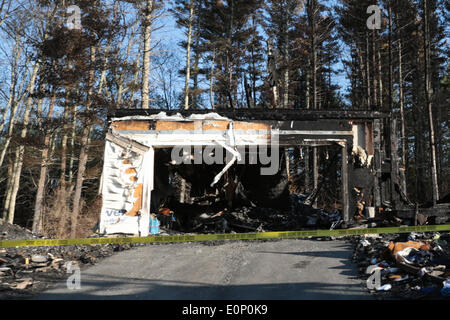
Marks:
<point>410,266</point>
<point>28,270</point>
<point>14,232</point>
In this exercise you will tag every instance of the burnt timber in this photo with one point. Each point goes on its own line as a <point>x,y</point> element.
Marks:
<point>262,114</point>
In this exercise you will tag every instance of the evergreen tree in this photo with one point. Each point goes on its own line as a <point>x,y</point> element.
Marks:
<point>225,31</point>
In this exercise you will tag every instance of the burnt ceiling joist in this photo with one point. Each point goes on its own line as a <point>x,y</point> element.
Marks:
<point>263,114</point>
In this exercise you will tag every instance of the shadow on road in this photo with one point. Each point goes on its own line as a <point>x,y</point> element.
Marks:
<point>151,289</point>
<point>97,286</point>
<point>347,268</point>
<point>344,254</point>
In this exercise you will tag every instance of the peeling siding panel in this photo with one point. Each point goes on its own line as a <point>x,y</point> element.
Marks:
<point>131,125</point>
<point>122,189</point>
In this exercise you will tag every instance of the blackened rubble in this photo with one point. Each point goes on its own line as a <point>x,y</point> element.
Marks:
<point>25,271</point>
<point>15,232</point>
<point>412,266</point>
<point>208,216</point>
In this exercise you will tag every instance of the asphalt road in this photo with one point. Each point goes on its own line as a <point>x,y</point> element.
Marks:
<point>285,269</point>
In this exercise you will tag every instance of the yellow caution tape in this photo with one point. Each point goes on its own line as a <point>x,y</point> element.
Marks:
<point>222,237</point>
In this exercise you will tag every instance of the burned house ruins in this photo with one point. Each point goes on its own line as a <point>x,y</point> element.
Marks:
<point>164,159</point>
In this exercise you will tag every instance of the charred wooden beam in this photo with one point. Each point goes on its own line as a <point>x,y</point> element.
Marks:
<point>436,211</point>
<point>345,191</point>
<point>313,140</point>
<point>394,163</point>
<point>327,126</point>
<point>262,114</point>
<point>377,161</point>
<point>127,143</point>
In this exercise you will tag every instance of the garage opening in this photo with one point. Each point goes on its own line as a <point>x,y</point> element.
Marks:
<point>237,172</point>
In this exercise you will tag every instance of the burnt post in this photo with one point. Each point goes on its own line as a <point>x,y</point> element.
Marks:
<point>149,158</point>
<point>394,162</point>
<point>377,161</point>
<point>344,180</point>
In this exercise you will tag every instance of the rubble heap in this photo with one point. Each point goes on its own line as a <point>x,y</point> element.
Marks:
<point>217,218</point>
<point>14,232</point>
<point>411,266</point>
<point>253,219</point>
<point>28,270</point>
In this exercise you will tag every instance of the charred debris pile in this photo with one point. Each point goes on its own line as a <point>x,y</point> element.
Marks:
<point>210,214</point>
<point>204,217</point>
<point>405,266</point>
<point>25,271</point>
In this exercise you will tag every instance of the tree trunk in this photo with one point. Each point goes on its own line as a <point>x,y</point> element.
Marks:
<point>380,81</point>
<point>368,99</point>
<point>72,144</point>
<point>362,68</point>
<point>211,82</point>
<point>43,173</point>
<point>12,104</point>
<point>188,56</point>
<point>314,95</point>
<point>253,75</point>
<point>391,82</point>
<point>402,101</point>
<point>82,160</point>
<point>272,72</point>
<point>308,105</point>
<point>248,95</point>
<point>7,199</point>
<point>286,62</point>
<point>147,26</point>
<point>12,87</point>
<point>374,65</point>
<point>63,167</point>
<point>12,119</point>
<point>434,180</point>
<point>120,78</point>
<point>19,154</point>
<point>62,195</point>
